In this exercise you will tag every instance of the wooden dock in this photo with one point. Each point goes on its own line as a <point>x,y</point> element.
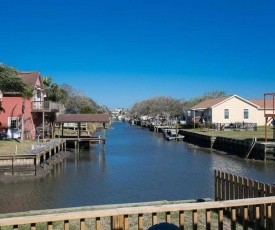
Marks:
<point>269,151</point>
<point>83,138</point>
<point>36,158</point>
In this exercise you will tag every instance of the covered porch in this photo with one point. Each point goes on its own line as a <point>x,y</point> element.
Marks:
<point>78,121</point>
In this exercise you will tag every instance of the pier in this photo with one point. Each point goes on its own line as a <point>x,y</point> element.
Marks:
<point>77,120</point>
<point>33,161</point>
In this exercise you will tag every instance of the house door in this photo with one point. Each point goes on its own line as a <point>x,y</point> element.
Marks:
<point>37,100</point>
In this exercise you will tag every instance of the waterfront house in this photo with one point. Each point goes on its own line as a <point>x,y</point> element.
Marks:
<point>39,113</point>
<point>231,109</point>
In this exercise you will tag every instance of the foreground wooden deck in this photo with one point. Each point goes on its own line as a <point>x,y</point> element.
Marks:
<point>241,203</point>
<point>121,216</point>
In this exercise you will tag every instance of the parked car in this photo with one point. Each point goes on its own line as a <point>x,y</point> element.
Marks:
<point>3,135</point>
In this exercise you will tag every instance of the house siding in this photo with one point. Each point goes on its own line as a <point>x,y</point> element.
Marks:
<point>236,108</point>
<point>13,108</point>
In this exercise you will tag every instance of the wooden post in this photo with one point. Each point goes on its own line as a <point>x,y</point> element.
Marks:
<point>220,219</point>
<point>82,224</point>
<point>12,165</point>
<point>140,222</point>
<point>97,223</point>
<point>43,124</point>
<point>117,222</point>
<point>54,152</point>
<point>181,220</point>
<point>195,219</point>
<point>79,131</point>
<point>208,219</point>
<point>62,130</point>
<point>168,217</point>
<point>154,218</point>
<point>126,222</point>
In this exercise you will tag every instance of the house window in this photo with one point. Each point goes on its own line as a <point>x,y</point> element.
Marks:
<point>245,114</point>
<point>13,122</point>
<point>226,113</point>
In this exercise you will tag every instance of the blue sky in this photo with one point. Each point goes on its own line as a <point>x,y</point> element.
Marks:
<point>119,52</point>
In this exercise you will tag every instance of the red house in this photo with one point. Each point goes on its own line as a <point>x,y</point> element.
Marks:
<point>39,113</point>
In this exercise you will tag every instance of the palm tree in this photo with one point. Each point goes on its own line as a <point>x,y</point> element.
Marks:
<point>27,94</point>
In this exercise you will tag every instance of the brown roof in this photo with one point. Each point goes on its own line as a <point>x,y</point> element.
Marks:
<point>210,102</point>
<point>260,103</point>
<point>78,118</point>
<point>30,77</point>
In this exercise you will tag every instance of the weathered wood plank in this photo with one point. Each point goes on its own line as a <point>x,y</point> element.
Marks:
<point>126,222</point>
<point>140,222</point>
<point>233,218</point>
<point>82,224</point>
<point>220,219</point>
<point>154,218</point>
<point>208,219</point>
<point>181,220</point>
<point>168,217</point>
<point>97,223</point>
<point>195,219</point>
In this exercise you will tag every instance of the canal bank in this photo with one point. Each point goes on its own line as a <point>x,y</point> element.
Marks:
<point>137,166</point>
<point>247,148</point>
<point>37,161</point>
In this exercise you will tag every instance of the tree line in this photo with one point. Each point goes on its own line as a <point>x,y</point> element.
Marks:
<point>164,105</point>
<point>74,100</point>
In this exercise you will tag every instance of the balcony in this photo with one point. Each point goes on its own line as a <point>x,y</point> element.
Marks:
<point>46,106</point>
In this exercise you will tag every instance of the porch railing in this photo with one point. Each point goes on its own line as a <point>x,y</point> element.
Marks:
<point>184,215</point>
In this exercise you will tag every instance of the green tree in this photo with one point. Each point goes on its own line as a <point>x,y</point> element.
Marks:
<point>162,105</point>
<point>47,81</point>
<point>87,110</point>
<point>54,92</point>
<point>77,102</point>
<point>9,82</point>
<point>209,95</point>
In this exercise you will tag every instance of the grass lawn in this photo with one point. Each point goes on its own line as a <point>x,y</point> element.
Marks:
<point>8,147</point>
<point>260,133</point>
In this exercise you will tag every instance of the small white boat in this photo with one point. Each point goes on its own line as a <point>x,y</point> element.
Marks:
<point>173,136</point>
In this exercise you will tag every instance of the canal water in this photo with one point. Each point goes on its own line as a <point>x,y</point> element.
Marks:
<point>137,166</point>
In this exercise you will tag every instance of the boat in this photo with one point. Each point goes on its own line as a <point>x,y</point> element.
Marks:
<point>174,136</point>
<point>170,135</point>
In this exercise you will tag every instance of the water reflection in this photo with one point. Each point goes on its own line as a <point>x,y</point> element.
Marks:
<point>136,166</point>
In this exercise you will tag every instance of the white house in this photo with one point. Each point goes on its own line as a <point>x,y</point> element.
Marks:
<point>232,109</point>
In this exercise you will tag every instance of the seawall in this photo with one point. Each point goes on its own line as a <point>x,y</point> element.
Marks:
<point>240,148</point>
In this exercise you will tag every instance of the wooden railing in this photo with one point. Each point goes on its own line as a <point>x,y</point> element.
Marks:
<point>231,187</point>
<point>27,162</point>
<point>11,165</point>
<point>121,218</point>
<point>46,106</point>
